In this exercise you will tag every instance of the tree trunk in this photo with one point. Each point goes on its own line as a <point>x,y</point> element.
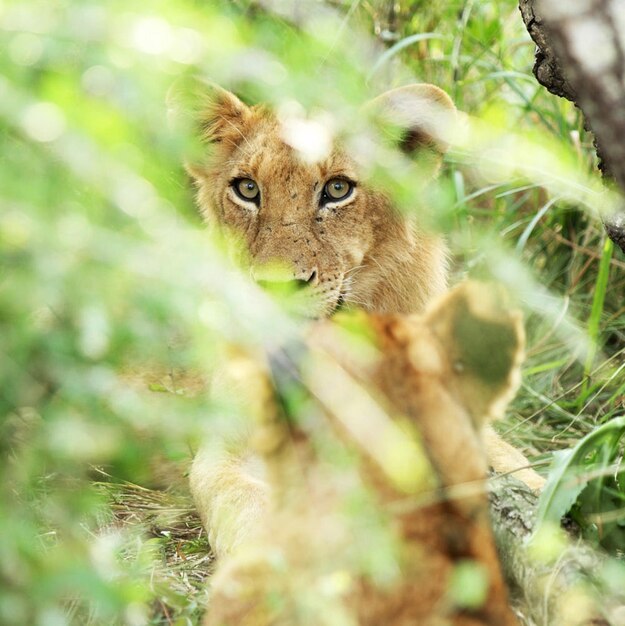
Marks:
<point>580,56</point>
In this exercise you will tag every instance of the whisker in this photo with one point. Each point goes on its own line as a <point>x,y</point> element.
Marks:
<point>371,258</point>
<point>354,269</point>
<point>351,300</point>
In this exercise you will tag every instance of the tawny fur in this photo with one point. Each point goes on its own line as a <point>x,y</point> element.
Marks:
<point>362,249</point>
<point>446,391</point>
<point>362,252</point>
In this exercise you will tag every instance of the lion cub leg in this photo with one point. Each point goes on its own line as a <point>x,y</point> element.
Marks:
<point>506,459</point>
<point>230,492</point>
<point>227,477</point>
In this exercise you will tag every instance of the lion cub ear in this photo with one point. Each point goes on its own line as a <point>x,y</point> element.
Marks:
<point>221,115</point>
<point>213,113</point>
<point>216,116</point>
<point>484,340</point>
<point>424,114</point>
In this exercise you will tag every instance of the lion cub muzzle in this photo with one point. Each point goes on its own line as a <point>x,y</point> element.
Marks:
<point>304,292</point>
<point>271,279</point>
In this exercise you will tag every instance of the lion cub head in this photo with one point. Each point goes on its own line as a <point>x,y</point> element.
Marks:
<point>315,222</point>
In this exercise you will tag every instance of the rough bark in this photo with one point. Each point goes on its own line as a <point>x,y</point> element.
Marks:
<point>580,56</point>
<point>545,591</point>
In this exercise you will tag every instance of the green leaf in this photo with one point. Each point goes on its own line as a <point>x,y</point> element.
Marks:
<point>570,471</point>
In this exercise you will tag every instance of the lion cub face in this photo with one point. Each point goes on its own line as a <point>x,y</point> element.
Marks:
<point>317,224</point>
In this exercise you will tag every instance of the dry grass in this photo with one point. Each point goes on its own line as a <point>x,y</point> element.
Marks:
<point>167,521</point>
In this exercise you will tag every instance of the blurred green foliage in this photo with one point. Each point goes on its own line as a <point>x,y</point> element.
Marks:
<point>588,481</point>
<point>106,272</point>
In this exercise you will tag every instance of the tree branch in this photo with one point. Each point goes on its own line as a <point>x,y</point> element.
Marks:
<point>548,592</point>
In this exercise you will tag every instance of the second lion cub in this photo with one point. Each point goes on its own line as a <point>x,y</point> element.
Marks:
<point>458,365</point>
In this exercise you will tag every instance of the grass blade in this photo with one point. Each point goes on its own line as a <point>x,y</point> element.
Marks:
<point>594,322</point>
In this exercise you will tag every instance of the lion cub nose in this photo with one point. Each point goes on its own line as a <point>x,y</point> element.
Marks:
<point>279,278</point>
<point>308,278</point>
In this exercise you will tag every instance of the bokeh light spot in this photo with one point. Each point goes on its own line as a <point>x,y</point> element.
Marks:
<point>43,122</point>
<point>152,35</point>
<point>25,49</point>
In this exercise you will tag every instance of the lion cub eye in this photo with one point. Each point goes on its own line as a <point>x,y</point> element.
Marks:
<point>337,189</point>
<point>246,189</point>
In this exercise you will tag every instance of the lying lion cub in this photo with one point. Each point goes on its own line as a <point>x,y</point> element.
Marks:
<point>458,365</point>
<point>342,241</point>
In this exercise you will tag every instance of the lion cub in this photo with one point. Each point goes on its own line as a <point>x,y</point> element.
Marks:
<point>458,366</point>
<point>342,242</point>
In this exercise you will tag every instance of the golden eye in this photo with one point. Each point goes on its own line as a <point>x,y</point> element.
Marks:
<point>246,188</point>
<point>338,189</point>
